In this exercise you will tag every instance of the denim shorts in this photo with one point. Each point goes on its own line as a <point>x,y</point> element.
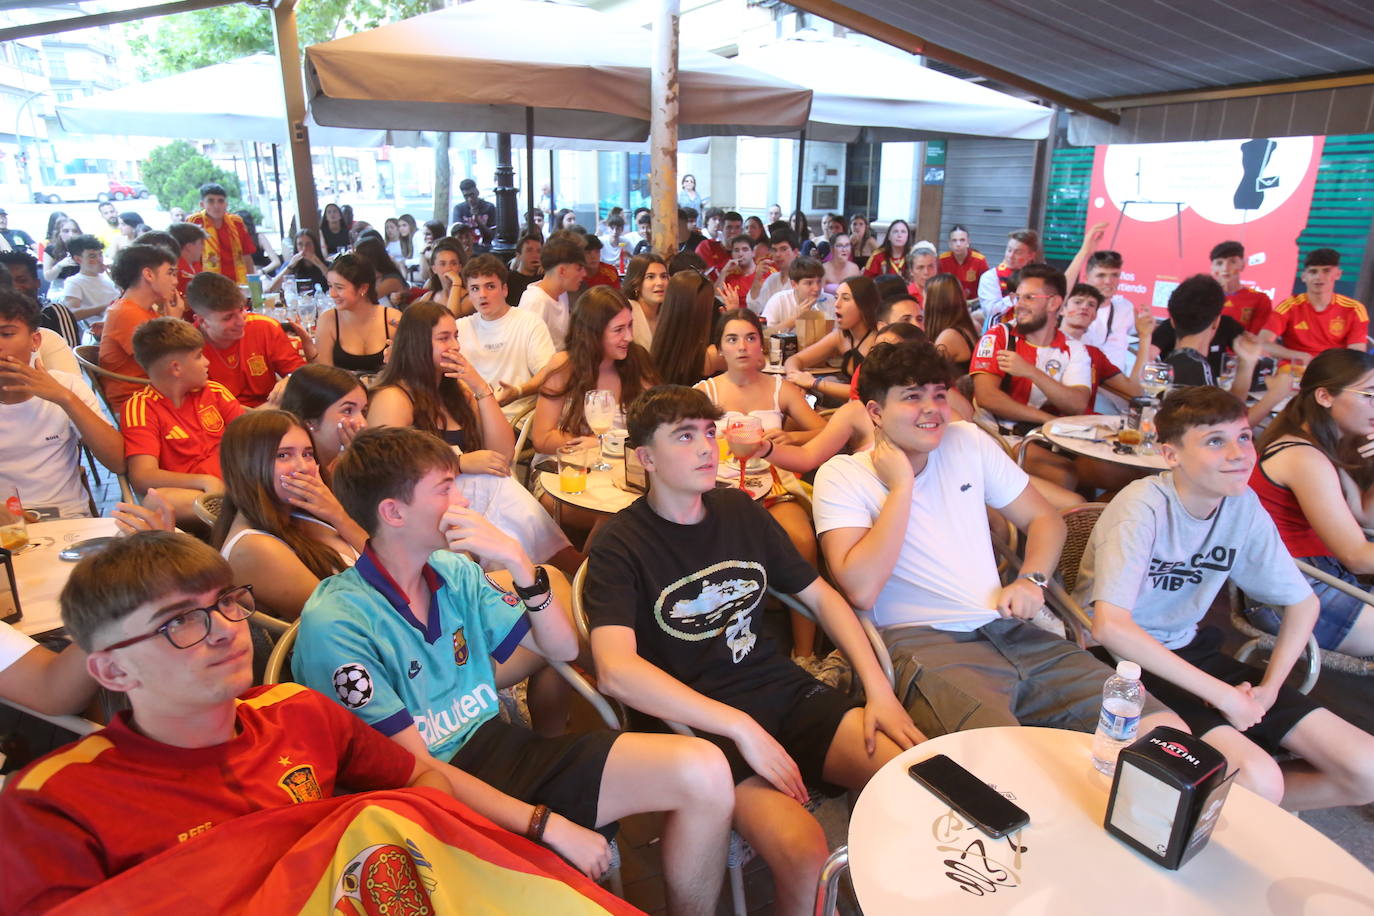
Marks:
<point>1339,610</point>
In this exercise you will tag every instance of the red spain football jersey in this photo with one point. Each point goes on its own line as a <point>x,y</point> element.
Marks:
<point>967,273</point>
<point>1299,326</point>
<point>116,798</point>
<point>250,366</point>
<point>185,439</point>
<point>1064,360</point>
<point>1250,307</point>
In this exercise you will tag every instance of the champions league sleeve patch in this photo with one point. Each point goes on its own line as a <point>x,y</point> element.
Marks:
<point>505,595</point>
<point>353,685</point>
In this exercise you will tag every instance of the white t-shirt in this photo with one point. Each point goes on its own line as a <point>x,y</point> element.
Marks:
<point>1112,330</point>
<point>946,573</point>
<point>556,313</point>
<point>90,290</point>
<point>762,292</point>
<point>511,349</point>
<point>13,645</point>
<point>783,306</point>
<point>39,454</point>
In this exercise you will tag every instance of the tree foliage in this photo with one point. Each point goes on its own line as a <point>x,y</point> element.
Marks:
<point>175,171</point>
<point>188,41</point>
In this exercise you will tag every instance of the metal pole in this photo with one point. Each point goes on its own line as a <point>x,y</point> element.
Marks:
<point>529,168</point>
<point>507,200</point>
<point>553,191</point>
<point>298,137</point>
<point>276,180</point>
<point>801,166</point>
<point>663,128</point>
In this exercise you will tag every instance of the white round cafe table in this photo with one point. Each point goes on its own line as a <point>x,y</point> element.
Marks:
<point>904,843</point>
<point>1102,451</point>
<point>602,495</point>
<point>40,573</point>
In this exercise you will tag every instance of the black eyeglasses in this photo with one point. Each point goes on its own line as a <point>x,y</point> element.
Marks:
<point>189,627</point>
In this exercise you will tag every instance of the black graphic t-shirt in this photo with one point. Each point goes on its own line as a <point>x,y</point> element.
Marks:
<point>692,593</point>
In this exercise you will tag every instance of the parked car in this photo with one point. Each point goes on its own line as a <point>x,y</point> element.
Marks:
<point>139,188</point>
<point>74,187</point>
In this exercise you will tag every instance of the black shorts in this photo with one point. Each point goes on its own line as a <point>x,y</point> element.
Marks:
<point>1204,653</point>
<point>796,709</point>
<point>563,773</point>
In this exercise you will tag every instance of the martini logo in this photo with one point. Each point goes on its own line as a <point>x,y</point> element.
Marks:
<point>718,599</point>
<point>1174,749</point>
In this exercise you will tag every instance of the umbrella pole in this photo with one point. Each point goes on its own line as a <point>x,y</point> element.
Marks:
<point>529,167</point>
<point>801,166</point>
<point>276,181</point>
<point>663,107</point>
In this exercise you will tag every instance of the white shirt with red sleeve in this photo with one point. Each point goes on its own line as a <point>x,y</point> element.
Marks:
<point>1064,360</point>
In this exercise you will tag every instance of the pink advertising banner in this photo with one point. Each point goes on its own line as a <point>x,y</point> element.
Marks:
<point>1167,204</point>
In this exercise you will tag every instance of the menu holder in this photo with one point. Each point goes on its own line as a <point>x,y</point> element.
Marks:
<point>636,480</point>
<point>10,611</point>
<point>811,327</point>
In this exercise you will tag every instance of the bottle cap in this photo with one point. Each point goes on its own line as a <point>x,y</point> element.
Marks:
<point>1129,670</point>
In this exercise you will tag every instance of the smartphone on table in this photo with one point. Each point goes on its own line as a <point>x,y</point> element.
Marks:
<point>987,808</point>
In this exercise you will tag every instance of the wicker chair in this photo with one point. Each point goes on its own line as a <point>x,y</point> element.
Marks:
<point>207,507</point>
<point>88,357</point>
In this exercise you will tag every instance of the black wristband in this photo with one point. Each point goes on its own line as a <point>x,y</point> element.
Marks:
<point>540,586</point>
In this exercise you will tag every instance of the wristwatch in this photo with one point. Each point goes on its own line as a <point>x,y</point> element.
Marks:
<point>1036,578</point>
<point>540,586</point>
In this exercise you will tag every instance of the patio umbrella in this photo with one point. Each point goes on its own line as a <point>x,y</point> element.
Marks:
<point>863,95</point>
<point>481,66</point>
<point>196,105</point>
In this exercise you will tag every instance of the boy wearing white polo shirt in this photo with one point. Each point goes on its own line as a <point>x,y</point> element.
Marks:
<point>509,347</point>
<point>905,531</point>
<point>44,417</point>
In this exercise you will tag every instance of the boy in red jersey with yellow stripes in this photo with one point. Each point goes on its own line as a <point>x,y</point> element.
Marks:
<point>1319,319</point>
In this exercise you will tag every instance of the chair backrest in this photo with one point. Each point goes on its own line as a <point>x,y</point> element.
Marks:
<point>1080,521</point>
<point>279,662</point>
<point>88,357</point>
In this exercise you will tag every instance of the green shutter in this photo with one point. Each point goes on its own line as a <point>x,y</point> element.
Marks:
<point>1342,206</point>
<point>1066,209</point>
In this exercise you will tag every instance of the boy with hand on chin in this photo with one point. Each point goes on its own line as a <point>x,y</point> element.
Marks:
<point>673,586</point>
<point>434,638</point>
<point>1157,557</point>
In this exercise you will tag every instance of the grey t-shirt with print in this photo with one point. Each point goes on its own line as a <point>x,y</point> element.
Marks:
<point>1147,553</point>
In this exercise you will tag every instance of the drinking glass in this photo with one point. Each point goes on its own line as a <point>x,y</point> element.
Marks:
<point>573,463</point>
<point>14,530</point>
<point>745,436</point>
<point>1156,379</point>
<point>1229,364</point>
<point>599,409</point>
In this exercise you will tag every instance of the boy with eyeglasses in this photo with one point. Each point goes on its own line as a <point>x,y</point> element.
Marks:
<point>163,623</point>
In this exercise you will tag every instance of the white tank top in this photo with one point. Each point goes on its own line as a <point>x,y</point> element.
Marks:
<point>772,419</point>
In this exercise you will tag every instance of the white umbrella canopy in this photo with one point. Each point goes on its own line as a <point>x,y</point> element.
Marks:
<point>196,105</point>
<point>479,66</point>
<point>865,96</point>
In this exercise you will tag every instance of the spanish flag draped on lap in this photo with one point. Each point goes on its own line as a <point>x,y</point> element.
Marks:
<point>405,852</point>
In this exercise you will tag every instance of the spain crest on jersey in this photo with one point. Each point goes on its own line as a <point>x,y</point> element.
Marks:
<point>210,418</point>
<point>1337,326</point>
<point>301,785</point>
<point>460,648</point>
<point>257,365</point>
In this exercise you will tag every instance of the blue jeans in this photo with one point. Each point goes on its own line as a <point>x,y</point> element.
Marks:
<point>1339,610</point>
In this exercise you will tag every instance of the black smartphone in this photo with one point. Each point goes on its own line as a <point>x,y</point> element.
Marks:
<point>969,795</point>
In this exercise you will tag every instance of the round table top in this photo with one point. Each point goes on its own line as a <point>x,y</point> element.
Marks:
<point>1066,432</point>
<point>906,846</point>
<point>602,495</point>
<point>40,573</point>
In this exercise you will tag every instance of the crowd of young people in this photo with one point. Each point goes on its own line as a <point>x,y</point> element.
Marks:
<point>367,490</point>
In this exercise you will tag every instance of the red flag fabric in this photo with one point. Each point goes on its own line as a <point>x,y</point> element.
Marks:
<point>402,853</point>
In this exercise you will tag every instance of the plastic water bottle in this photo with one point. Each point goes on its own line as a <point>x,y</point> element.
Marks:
<point>1123,696</point>
<point>255,291</point>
